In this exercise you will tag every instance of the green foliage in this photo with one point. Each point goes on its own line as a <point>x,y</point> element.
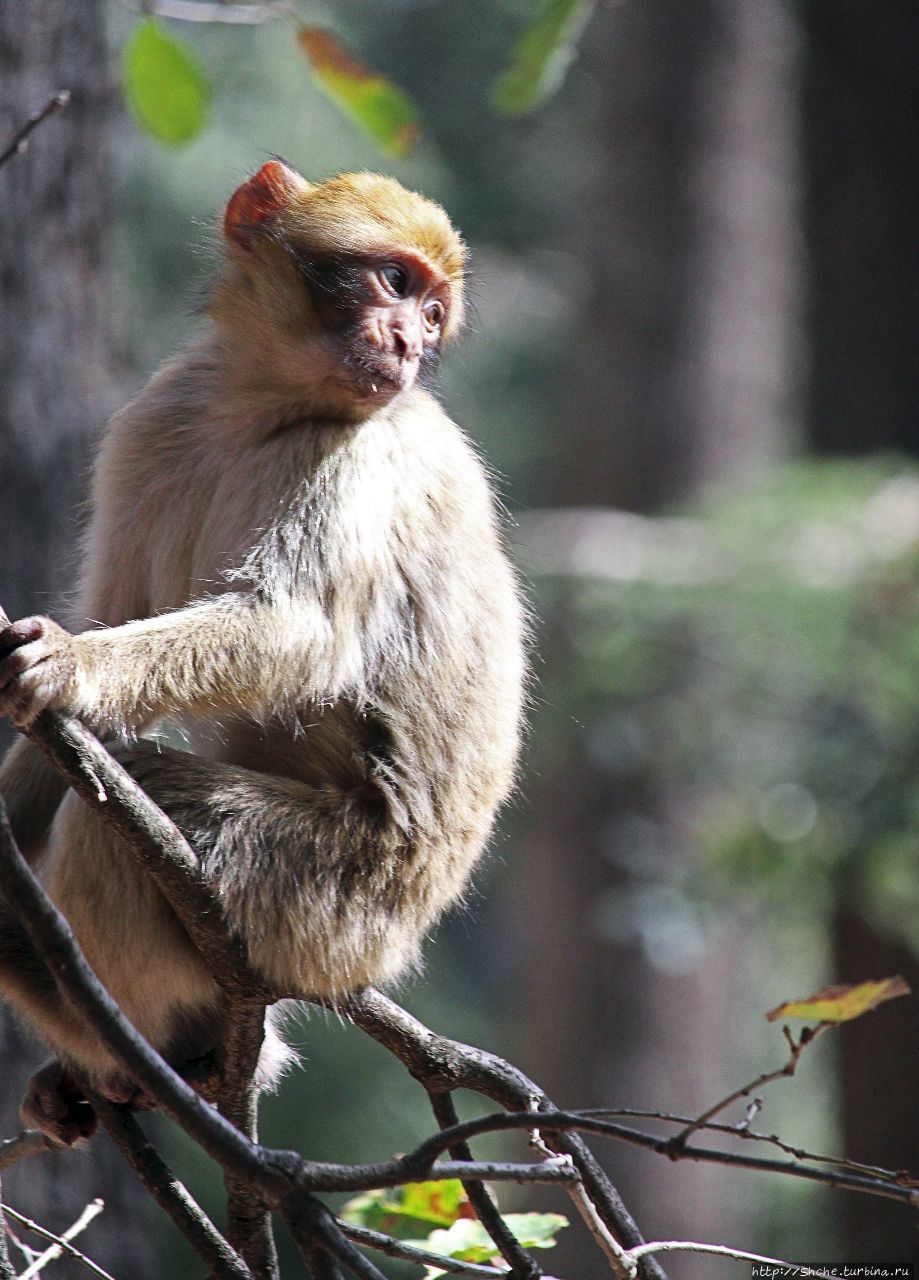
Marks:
<point>765,680</point>
<point>413,1210</point>
<point>542,56</point>
<point>164,84</point>
<point>437,1216</point>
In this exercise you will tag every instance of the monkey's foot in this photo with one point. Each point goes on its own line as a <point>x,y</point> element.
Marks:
<point>121,1089</point>
<point>54,1104</point>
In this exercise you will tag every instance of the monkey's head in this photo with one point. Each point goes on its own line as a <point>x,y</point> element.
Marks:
<point>339,292</point>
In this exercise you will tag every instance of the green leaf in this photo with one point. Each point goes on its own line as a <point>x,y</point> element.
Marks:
<point>418,1207</point>
<point>376,105</point>
<point>542,56</point>
<point>165,87</point>
<point>468,1241</point>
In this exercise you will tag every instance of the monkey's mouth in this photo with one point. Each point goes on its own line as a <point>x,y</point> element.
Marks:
<point>375,374</point>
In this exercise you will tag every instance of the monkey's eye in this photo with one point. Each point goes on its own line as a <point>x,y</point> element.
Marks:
<point>396,279</point>
<point>434,315</point>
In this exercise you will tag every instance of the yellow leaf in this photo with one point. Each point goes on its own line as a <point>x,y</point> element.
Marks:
<point>844,1002</point>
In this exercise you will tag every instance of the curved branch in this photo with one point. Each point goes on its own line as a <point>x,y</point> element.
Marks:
<point>28,1143</point>
<point>442,1064</point>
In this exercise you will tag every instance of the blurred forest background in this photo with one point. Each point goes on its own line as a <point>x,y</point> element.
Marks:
<point>693,367</point>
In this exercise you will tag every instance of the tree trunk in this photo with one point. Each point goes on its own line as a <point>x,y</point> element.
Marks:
<point>56,385</point>
<point>680,378</point>
<point>861,99</point>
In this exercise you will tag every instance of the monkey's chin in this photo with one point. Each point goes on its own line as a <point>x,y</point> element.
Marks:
<point>377,381</point>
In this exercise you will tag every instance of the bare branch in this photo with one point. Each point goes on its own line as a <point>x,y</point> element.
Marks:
<point>522,1265</point>
<point>439,1063</point>
<point>313,1227</point>
<point>6,1267</point>
<point>61,1244</point>
<point>746,1134</point>
<point>723,1251</point>
<point>250,1231</point>
<point>207,11</point>
<point>170,1194</point>
<point>424,1257</point>
<point>28,1143</point>
<point>19,142</point>
<point>807,1037</point>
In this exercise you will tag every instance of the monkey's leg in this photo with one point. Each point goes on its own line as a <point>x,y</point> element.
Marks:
<point>53,1102</point>
<point>134,943</point>
<point>32,790</point>
<point>323,886</point>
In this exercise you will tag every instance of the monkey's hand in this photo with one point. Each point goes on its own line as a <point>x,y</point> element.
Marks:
<point>38,669</point>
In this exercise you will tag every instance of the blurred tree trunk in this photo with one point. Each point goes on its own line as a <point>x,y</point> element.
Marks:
<point>56,385</point>
<point>861,99</point>
<point>680,378</point>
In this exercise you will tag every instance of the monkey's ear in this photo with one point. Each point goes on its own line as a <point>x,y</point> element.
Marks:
<point>258,200</point>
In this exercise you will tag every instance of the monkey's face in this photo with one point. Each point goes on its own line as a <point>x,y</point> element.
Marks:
<point>381,320</point>
<point>339,295</point>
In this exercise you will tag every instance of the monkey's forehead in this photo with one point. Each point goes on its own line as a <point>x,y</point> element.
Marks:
<point>361,212</point>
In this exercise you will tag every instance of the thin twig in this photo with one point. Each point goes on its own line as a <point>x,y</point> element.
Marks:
<point>62,1243</point>
<point>723,1251</point>
<point>205,11</point>
<point>605,1240</point>
<point>19,141</point>
<point>410,1253</point>
<point>897,1177</point>
<point>807,1037</point>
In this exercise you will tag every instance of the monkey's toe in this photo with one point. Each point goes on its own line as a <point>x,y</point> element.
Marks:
<point>122,1089</point>
<point>54,1105</point>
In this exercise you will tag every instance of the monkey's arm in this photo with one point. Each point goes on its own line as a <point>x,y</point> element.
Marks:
<point>230,652</point>
<point>32,789</point>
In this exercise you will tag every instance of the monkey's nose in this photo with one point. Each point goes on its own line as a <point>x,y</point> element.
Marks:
<point>407,341</point>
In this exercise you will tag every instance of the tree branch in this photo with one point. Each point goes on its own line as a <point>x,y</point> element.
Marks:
<point>807,1037</point>
<point>424,1257</point>
<point>441,1064</point>
<point>170,1194</point>
<point>249,1220</point>
<point>522,1265</point>
<point>6,1267</point>
<point>28,1143</point>
<point>61,1244</point>
<point>208,11</point>
<point>19,142</point>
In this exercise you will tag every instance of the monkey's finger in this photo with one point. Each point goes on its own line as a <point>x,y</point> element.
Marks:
<point>19,633</point>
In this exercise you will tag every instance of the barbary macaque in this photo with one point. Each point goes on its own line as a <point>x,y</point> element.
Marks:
<point>294,560</point>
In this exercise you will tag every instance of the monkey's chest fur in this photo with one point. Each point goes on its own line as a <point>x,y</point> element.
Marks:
<point>396,701</point>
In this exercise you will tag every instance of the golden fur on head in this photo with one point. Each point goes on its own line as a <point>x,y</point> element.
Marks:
<point>353,213</point>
